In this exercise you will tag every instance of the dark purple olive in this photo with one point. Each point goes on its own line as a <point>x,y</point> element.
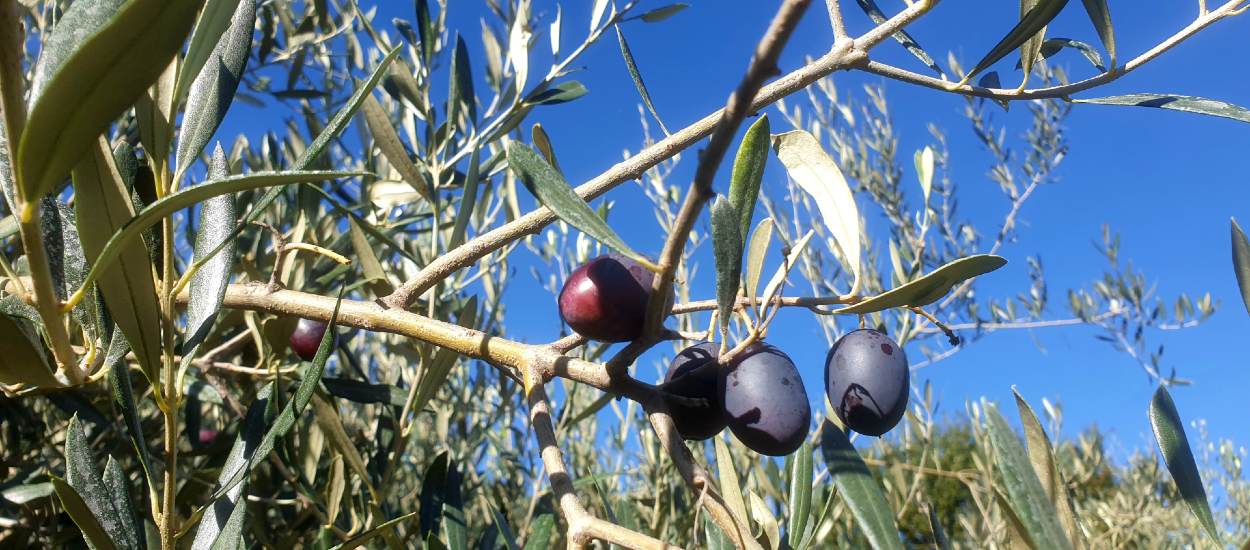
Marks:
<point>606,299</point>
<point>307,338</point>
<point>765,403</point>
<point>693,373</point>
<point>867,381</point>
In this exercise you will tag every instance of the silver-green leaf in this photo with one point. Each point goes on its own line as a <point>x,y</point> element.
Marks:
<point>99,80</point>
<point>554,192</point>
<point>1188,104</point>
<point>861,493</point>
<point>1174,446</point>
<point>1241,262</point>
<point>1023,491</point>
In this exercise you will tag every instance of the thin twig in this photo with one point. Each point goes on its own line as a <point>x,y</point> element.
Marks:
<point>1229,9</point>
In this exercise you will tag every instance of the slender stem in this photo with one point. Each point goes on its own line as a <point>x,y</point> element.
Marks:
<point>835,19</point>
<point>172,391</point>
<point>763,66</point>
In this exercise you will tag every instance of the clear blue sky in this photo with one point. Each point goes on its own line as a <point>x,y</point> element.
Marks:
<point>1168,182</point>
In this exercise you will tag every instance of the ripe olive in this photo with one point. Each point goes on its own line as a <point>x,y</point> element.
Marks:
<point>694,373</point>
<point>606,299</point>
<point>867,381</point>
<point>307,338</point>
<point>765,402</point>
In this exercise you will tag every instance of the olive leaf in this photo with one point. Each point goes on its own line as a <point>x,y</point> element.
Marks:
<point>1031,50</point>
<point>102,77</point>
<point>757,249</point>
<point>212,90</point>
<point>931,287</point>
<point>727,248</point>
<point>290,413</point>
<point>1188,104</point>
<point>129,291</point>
<point>1241,262</point>
<point>387,139</point>
<point>818,175</point>
<point>78,511</point>
<point>1031,23</point>
<point>170,204</point>
<point>1174,446</point>
<point>874,13</point>
<point>636,76</point>
<point>82,473</point>
<point>208,285</point>
<point>857,488</point>
<point>800,491</point>
<point>659,14</point>
<point>1042,458</point>
<point>223,519</point>
<point>1100,16</point>
<point>731,490</point>
<point>552,191</point>
<point>748,173</point>
<point>1024,492</point>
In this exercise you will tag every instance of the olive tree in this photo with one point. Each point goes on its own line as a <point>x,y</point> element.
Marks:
<point>166,383</point>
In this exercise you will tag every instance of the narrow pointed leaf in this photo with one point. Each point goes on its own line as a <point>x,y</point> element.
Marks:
<point>748,173</point>
<point>1188,104</point>
<point>1021,487</point>
<point>731,489</point>
<point>1053,46</point>
<point>215,18</point>
<point>1174,446</point>
<point>1042,458</point>
<point>78,511</point>
<point>659,14</point>
<point>800,495</point>
<point>1030,24</point>
<point>636,76</point>
<point>769,527</point>
<point>208,286</point>
<point>212,91</point>
<point>856,487</point>
<point>727,248</point>
<point>84,475</point>
<point>129,290</point>
<point>931,287</point>
<point>468,202</point>
<point>387,139</point>
<point>121,393</point>
<point>757,249</point>
<point>370,267</point>
<point>563,92</point>
<point>925,164</point>
<point>874,12</point>
<point>1100,16</point>
<point>291,412</point>
<point>1241,262</point>
<point>103,77</point>
<point>118,488</point>
<point>554,192</point>
<point>364,392</point>
<point>1031,50</point>
<point>819,176</point>
<point>216,523</point>
<point>461,82</point>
